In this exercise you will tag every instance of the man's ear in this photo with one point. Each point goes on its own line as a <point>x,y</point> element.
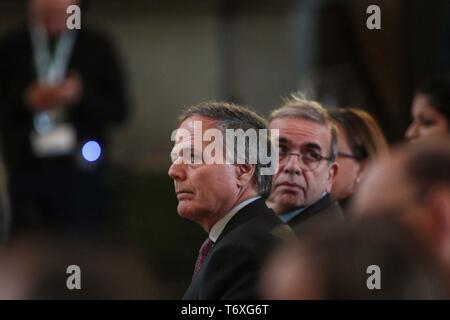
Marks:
<point>332,173</point>
<point>244,173</point>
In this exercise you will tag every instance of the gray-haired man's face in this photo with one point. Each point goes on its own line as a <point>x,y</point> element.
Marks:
<point>204,191</point>
<point>292,185</point>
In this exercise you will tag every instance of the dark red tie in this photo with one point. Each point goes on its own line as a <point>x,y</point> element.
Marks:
<point>203,252</point>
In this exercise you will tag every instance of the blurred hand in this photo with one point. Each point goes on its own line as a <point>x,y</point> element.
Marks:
<point>71,89</point>
<point>40,97</point>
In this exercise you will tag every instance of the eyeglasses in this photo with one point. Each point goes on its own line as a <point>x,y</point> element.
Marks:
<point>307,160</point>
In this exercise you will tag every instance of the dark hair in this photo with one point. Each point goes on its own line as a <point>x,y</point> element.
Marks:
<point>437,90</point>
<point>231,116</point>
<point>362,132</point>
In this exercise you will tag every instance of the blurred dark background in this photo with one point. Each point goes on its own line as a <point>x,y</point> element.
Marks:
<point>177,53</point>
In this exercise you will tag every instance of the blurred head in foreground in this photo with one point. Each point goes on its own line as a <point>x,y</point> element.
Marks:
<point>413,185</point>
<point>36,267</point>
<point>360,140</point>
<point>369,259</point>
<point>430,109</point>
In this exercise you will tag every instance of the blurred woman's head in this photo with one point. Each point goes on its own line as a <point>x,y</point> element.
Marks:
<point>359,140</point>
<point>430,109</point>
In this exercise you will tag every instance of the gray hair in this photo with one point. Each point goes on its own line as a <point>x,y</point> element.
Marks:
<point>296,106</point>
<point>231,116</point>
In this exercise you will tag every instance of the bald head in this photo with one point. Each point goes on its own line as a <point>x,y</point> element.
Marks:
<point>386,186</point>
<point>50,14</point>
<point>411,173</point>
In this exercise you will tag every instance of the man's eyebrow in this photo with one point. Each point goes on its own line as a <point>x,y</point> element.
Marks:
<point>283,140</point>
<point>312,145</point>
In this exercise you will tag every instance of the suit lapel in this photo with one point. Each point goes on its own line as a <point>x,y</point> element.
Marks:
<point>247,213</point>
<point>312,210</point>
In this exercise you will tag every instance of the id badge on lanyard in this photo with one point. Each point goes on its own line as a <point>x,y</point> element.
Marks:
<point>51,136</point>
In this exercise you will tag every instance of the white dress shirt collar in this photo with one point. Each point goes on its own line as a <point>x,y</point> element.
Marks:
<point>220,225</point>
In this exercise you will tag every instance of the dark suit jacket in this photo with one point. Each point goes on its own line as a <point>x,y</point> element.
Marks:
<point>103,101</point>
<point>231,269</point>
<point>324,211</point>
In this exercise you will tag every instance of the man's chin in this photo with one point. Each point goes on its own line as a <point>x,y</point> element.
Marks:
<point>182,210</point>
<point>290,202</point>
<point>185,210</point>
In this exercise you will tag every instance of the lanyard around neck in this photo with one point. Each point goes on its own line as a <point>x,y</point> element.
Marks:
<point>50,69</point>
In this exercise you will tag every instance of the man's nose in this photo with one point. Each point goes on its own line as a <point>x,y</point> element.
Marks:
<point>177,172</point>
<point>292,166</point>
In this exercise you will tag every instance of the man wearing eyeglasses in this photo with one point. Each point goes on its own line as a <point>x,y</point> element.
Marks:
<point>307,167</point>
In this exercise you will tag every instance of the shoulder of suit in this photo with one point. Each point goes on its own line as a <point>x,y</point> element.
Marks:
<point>283,232</point>
<point>259,230</point>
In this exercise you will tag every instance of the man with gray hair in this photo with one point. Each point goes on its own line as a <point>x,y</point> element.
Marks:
<point>307,167</point>
<point>226,199</point>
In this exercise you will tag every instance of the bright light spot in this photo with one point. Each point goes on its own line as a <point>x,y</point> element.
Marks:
<point>91,151</point>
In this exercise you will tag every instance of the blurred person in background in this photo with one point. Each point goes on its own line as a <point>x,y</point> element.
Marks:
<point>35,266</point>
<point>227,201</point>
<point>430,109</point>
<point>413,185</point>
<point>360,141</point>
<point>60,90</point>
<point>337,264</point>
<point>307,168</point>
